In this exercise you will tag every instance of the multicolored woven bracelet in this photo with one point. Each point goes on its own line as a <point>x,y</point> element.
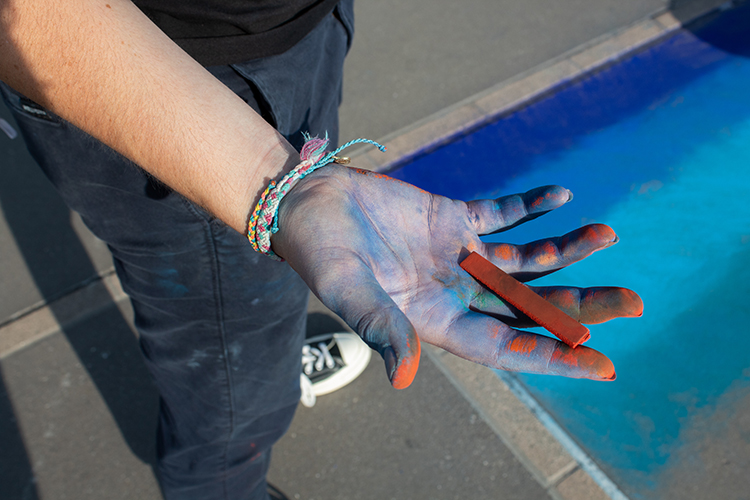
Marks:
<point>264,219</point>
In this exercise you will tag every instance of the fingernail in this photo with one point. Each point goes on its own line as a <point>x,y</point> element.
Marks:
<point>632,303</point>
<point>389,356</point>
<point>606,370</point>
<point>613,242</point>
<point>598,366</point>
<point>570,195</point>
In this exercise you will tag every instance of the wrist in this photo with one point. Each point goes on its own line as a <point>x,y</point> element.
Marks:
<point>263,221</point>
<point>312,198</point>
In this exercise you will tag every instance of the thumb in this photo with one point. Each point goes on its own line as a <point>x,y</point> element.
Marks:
<point>396,341</point>
<point>371,312</point>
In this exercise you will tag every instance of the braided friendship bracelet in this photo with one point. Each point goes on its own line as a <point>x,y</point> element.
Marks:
<point>264,219</point>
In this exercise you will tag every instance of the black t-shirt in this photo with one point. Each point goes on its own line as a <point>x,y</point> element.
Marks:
<point>230,31</point>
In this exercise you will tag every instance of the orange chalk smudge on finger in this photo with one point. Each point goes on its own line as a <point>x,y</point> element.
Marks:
<point>567,299</point>
<point>505,252</point>
<point>547,255</point>
<point>541,199</point>
<point>523,344</point>
<point>599,232</point>
<point>588,360</point>
<point>407,369</point>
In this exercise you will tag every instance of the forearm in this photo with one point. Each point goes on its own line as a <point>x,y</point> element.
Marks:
<point>103,66</point>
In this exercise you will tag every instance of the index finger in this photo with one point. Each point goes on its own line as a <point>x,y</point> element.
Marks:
<point>506,212</point>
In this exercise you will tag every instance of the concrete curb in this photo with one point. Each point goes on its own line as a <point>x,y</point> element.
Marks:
<point>520,429</point>
<point>73,307</point>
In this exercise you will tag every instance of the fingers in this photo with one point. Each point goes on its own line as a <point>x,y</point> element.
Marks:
<point>487,341</point>
<point>491,216</point>
<point>586,305</point>
<point>594,305</point>
<point>369,311</point>
<point>536,259</point>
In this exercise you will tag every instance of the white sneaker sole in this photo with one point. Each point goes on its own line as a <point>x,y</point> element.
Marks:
<point>356,355</point>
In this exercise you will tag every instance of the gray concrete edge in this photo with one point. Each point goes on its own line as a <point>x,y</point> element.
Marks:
<point>518,426</point>
<point>45,320</point>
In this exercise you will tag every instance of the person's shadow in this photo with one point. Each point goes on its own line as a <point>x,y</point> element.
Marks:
<point>58,263</point>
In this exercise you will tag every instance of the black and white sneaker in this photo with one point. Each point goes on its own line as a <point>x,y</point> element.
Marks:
<point>329,362</point>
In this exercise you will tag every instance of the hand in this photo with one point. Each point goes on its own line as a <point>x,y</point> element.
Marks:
<point>384,255</point>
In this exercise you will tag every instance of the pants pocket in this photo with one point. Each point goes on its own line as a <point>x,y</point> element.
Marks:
<point>344,12</point>
<point>25,108</point>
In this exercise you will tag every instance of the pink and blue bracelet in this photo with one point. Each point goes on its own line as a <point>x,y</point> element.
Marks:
<point>264,218</point>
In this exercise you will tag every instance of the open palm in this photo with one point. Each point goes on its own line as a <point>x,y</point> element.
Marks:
<point>384,255</point>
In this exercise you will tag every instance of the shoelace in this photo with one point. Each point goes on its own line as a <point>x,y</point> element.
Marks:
<point>315,359</point>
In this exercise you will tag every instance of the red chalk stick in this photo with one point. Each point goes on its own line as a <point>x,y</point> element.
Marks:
<point>524,299</point>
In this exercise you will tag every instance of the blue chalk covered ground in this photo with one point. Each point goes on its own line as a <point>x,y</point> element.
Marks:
<point>658,147</point>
